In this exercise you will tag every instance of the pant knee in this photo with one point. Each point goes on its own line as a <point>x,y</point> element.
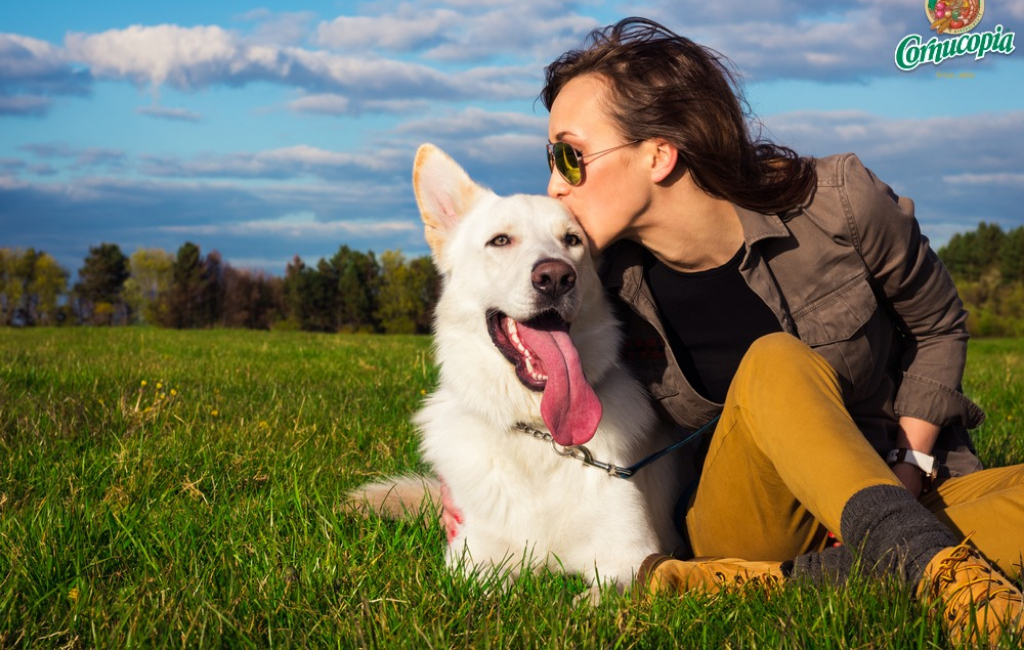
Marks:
<point>781,366</point>
<point>779,351</point>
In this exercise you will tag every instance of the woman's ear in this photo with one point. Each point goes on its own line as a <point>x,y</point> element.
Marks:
<point>664,162</point>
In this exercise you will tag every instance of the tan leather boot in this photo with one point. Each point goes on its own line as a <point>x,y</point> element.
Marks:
<point>975,601</point>
<point>711,575</point>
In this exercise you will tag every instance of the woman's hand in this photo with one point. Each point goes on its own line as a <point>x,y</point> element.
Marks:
<point>911,477</point>
<point>451,516</point>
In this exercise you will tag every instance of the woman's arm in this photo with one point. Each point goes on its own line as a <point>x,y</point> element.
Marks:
<point>921,298</point>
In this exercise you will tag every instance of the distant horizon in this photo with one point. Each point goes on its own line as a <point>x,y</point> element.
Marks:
<point>263,132</point>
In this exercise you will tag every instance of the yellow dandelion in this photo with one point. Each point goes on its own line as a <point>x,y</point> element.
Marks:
<point>214,412</point>
<point>143,384</point>
<point>159,385</point>
<point>173,392</point>
<point>73,594</point>
<point>263,424</point>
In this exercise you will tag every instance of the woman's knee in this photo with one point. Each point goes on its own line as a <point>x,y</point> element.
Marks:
<point>781,361</point>
<point>780,350</point>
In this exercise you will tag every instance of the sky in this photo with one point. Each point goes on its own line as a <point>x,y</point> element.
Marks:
<point>266,130</point>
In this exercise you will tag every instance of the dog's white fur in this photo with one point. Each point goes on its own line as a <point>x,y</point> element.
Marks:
<point>523,505</point>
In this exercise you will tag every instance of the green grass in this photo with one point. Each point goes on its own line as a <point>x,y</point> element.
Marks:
<point>203,508</point>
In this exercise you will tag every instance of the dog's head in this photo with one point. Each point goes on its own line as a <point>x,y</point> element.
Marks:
<point>518,266</point>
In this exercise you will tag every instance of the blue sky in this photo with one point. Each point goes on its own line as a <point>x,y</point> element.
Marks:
<point>266,130</point>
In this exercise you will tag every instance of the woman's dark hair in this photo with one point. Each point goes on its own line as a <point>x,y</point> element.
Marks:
<point>666,86</point>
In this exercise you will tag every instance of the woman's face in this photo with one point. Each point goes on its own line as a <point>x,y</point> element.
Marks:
<point>615,189</point>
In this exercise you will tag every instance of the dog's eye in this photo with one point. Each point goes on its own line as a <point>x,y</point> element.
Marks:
<point>572,240</point>
<point>500,240</point>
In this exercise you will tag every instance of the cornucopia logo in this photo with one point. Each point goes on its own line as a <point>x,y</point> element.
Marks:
<point>956,19</point>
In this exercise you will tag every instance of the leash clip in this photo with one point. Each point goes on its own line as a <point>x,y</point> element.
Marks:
<point>582,454</point>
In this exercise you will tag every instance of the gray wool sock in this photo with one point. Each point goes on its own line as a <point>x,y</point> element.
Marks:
<point>893,532</point>
<point>832,566</point>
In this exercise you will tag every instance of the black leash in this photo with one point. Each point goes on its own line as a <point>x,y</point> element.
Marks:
<point>582,454</point>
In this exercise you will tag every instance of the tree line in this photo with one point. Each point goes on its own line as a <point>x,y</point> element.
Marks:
<point>987,265</point>
<point>355,291</point>
<point>352,291</point>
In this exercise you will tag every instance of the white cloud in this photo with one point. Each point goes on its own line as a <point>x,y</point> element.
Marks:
<point>335,104</point>
<point>287,28</point>
<point>985,142</point>
<point>190,58</point>
<point>31,72</point>
<point>25,105</point>
<point>328,103</point>
<point>1008,179</point>
<point>178,114</point>
<point>473,122</point>
<point>23,57</point>
<point>959,171</point>
<point>290,228</point>
<point>391,32</point>
<point>185,57</point>
<point>285,162</point>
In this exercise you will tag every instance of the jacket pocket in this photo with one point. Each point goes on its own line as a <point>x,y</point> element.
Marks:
<point>838,315</point>
<point>847,328</point>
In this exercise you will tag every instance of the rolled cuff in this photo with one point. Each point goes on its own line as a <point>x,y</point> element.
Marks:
<point>928,400</point>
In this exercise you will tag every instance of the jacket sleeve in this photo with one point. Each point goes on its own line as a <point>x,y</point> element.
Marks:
<point>920,296</point>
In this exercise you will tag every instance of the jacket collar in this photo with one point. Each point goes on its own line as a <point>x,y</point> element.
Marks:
<point>621,266</point>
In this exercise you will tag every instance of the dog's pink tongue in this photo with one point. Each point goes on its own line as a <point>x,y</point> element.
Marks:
<point>570,407</point>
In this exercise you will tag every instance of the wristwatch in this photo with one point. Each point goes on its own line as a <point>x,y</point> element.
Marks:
<point>924,462</point>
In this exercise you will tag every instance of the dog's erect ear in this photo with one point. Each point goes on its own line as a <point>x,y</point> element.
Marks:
<point>444,192</point>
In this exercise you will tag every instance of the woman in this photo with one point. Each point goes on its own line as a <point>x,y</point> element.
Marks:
<point>797,299</point>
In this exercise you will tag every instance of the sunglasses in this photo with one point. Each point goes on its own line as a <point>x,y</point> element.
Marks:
<point>569,161</point>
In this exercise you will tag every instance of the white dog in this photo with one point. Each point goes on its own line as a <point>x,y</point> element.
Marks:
<point>527,344</point>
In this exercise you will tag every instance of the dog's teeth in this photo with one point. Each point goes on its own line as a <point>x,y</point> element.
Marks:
<point>513,336</point>
<point>536,376</point>
<point>513,332</point>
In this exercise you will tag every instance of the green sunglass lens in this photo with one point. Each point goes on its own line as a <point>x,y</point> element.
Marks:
<point>567,162</point>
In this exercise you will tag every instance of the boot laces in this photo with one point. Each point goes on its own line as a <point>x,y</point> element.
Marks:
<point>970,575</point>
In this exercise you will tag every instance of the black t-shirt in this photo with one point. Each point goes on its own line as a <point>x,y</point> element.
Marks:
<point>711,318</point>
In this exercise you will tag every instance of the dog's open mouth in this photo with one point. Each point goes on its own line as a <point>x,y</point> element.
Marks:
<point>546,360</point>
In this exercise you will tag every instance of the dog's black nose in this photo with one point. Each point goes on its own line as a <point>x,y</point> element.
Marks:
<point>553,278</point>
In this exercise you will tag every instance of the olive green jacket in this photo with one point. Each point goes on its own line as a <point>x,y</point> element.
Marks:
<point>851,275</point>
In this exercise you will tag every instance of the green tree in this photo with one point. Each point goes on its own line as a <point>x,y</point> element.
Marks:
<point>151,274</point>
<point>428,288</point>
<point>968,255</point>
<point>408,292</point>
<point>211,307</point>
<point>49,283</point>
<point>12,285</point>
<point>102,279</point>
<point>297,298</point>
<point>358,278</point>
<point>1011,256</point>
<point>187,288</point>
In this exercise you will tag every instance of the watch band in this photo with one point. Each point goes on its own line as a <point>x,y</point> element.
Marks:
<point>924,462</point>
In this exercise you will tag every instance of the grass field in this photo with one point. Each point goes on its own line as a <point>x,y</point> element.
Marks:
<point>164,488</point>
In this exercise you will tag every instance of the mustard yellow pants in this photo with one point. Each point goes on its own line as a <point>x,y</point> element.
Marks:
<point>786,457</point>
